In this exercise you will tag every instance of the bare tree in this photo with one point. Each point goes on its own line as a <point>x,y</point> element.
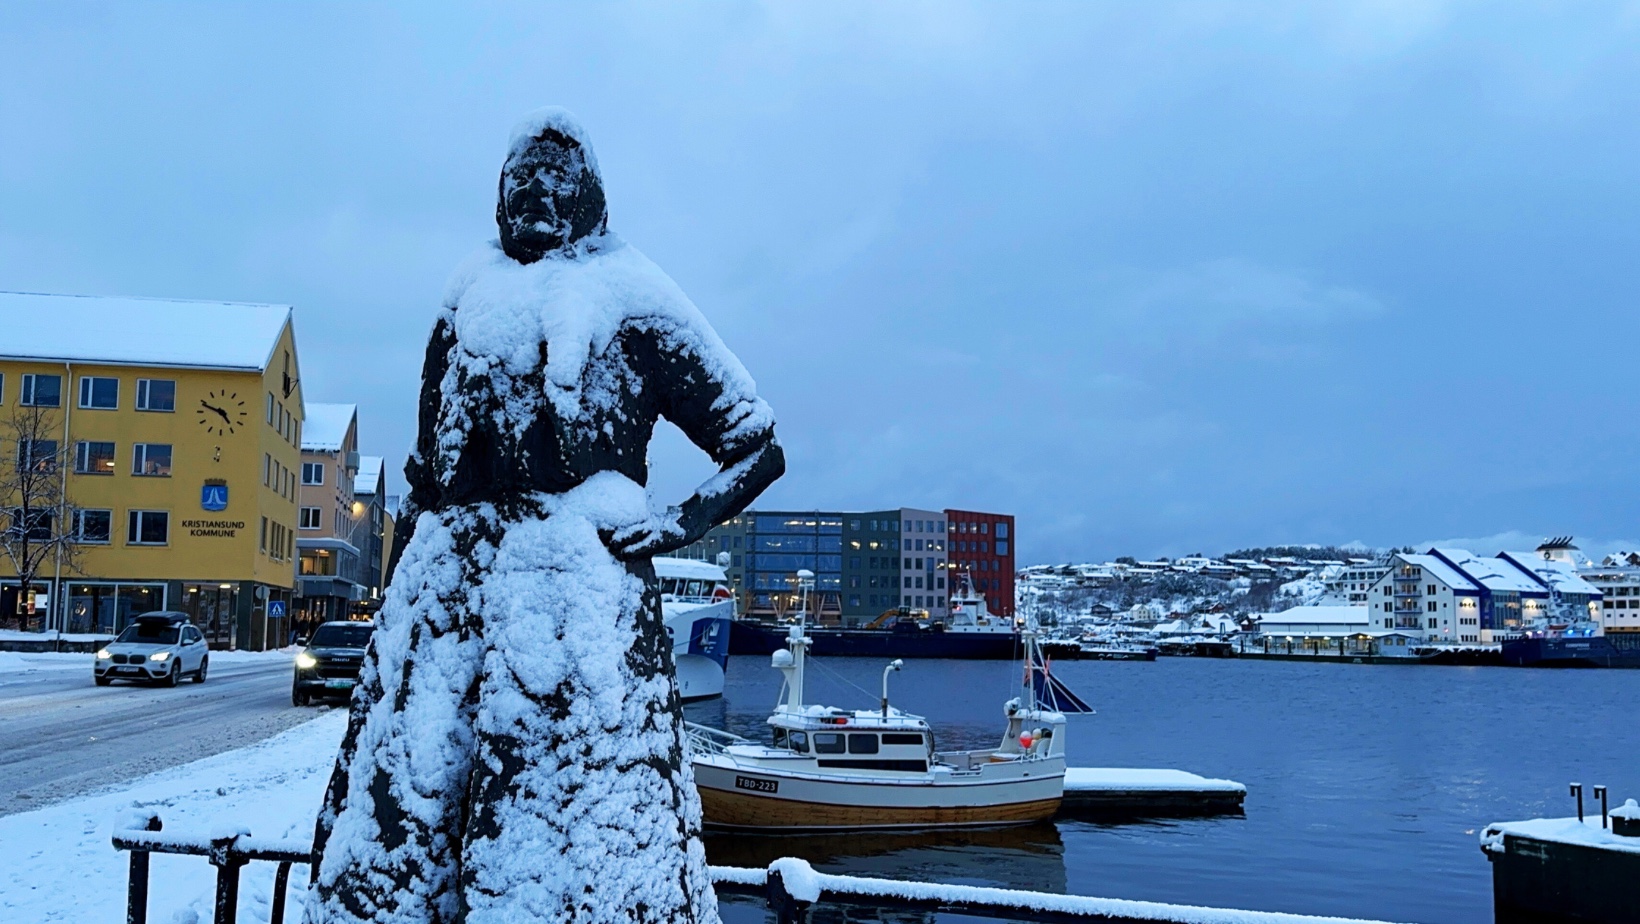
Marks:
<point>39,527</point>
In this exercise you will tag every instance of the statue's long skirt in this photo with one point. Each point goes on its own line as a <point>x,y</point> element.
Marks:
<point>515,751</point>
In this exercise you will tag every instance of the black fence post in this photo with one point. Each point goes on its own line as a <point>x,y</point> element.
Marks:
<point>136,887</point>
<point>281,878</point>
<point>1577,790</point>
<point>787,908</point>
<point>228,863</point>
<point>1600,793</point>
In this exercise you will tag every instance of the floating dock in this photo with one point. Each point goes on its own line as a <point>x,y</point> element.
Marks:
<point>1117,792</point>
<point>1566,869</point>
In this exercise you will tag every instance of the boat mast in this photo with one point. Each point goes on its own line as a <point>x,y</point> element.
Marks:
<point>797,641</point>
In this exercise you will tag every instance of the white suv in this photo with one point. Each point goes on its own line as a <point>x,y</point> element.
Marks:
<point>158,647</point>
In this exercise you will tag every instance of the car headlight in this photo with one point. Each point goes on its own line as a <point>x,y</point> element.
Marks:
<point>305,661</point>
<point>103,655</point>
<point>159,656</point>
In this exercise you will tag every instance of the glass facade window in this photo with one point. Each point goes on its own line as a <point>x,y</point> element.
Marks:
<point>109,608</point>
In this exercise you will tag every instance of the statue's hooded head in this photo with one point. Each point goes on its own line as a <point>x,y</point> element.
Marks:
<point>551,195</point>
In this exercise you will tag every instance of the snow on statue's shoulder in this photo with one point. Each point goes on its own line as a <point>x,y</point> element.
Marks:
<point>502,311</point>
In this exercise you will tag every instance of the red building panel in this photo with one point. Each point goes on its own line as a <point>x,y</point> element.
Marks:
<point>982,544</point>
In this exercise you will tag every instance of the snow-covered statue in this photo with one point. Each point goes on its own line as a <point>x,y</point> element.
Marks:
<point>515,750</point>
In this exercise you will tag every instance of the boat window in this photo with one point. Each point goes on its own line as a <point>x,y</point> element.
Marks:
<point>862,744</point>
<point>892,738</point>
<point>800,742</point>
<point>780,737</point>
<point>828,743</point>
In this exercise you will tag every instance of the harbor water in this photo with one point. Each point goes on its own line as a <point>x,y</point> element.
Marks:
<point>1367,785</point>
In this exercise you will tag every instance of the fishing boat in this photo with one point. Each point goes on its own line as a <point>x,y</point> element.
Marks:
<point>697,607</point>
<point>837,769</point>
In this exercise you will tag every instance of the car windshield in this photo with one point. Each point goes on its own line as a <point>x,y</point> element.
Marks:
<point>150,633</point>
<point>355,636</point>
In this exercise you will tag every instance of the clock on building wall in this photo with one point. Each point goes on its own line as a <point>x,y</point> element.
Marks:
<point>221,412</point>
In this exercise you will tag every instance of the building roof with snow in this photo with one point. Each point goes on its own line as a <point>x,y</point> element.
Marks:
<point>125,330</point>
<point>1442,570</point>
<point>1316,620</point>
<point>326,426</point>
<point>1559,576</point>
<point>369,478</point>
<point>1495,574</point>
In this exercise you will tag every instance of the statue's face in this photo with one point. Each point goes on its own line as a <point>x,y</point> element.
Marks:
<point>549,198</point>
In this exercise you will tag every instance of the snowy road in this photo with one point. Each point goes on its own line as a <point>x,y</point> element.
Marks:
<point>61,736</point>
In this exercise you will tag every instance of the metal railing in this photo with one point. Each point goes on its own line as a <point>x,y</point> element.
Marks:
<point>704,740</point>
<point>788,887</point>
<point>228,853</point>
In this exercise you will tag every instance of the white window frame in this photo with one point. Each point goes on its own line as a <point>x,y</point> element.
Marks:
<point>81,466</point>
<point>79,526</point>
<point>139,459</point>
<point>88,391</point>
<point>318,518</point>
<point>143,402</point>
<point>133,526</point>
<point>26,396</point>
<point>317,467</point>
<point>25,453</point>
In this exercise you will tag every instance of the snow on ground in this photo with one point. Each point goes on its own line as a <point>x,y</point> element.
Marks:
<point>61,865</point>
<point>14,662</point>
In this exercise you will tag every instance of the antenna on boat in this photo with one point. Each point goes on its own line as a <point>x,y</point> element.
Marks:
<point>893,666</point>
<point>797,642</point>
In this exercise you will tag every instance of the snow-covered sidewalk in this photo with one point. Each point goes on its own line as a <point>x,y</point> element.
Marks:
<point>62,866</point>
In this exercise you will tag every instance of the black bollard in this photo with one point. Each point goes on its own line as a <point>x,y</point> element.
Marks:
<point>1577,790</point>
<point>1600,793</point>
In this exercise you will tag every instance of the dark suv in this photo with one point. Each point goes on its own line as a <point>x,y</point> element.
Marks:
<point>330,664</point>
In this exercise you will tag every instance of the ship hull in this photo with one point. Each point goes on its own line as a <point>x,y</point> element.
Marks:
<point>752,638</point>
<point>700,647</point>
<point>808,803</point>
<point>1596,651</point>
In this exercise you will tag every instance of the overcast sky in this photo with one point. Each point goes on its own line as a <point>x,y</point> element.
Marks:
<point>1155,278</point>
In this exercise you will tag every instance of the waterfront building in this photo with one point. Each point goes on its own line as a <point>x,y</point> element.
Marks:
<point>872,569</point>
<point>175,427</point>
<point>1509,599</point>
<point>923,560</point>
<point>866,563</point>
<point>1353,582</point>
<point>329,560</point>
<point>982,544</point>
<point>1427,598</point>
<point>1617,578</point>
<point>1571,598</point>
<point>1318,629</point>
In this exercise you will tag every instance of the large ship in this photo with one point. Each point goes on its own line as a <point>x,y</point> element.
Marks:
<point>698,608</point>
<point>1566,650</point>
<point>971,632</point>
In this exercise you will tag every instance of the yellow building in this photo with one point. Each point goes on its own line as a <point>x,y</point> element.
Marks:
<point>175,427</point>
